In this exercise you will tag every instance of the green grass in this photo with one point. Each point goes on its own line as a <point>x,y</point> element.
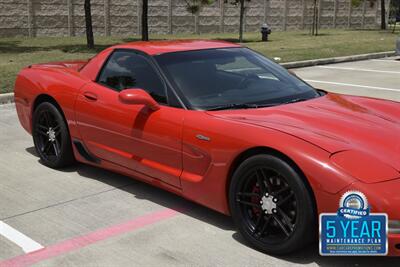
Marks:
<point>15,53</point>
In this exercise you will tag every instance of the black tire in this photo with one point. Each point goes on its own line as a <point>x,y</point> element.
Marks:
<point>51,137</point>
<point>261,184</point>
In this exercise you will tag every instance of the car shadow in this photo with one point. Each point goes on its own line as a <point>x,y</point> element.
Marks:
<point>140,190</point>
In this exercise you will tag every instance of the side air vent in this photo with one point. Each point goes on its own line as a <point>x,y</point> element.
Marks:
<point>85,153</point>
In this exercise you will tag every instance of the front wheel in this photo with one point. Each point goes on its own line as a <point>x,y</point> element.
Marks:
<point>271,205</point>
<point>51,136</point>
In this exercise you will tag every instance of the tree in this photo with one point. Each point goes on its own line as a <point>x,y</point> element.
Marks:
<point>395,8</point>
<point>194,6</point>
<point>383,15</point>
<point>89,26</point>
<point>241,17</point>
<point>372,3</point>
<point>145,25</point>
<point>315,20</point>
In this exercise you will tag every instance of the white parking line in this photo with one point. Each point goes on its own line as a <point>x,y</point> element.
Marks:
<point>355,85</point>
<point>355,69</point>
<point>386,60</point>
<point>18,238</point>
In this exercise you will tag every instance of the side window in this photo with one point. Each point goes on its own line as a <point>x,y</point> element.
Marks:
<point>126,69</point>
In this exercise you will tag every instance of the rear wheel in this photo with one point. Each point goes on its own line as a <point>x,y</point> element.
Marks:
<point>51,136</point>
<point>271,205</point>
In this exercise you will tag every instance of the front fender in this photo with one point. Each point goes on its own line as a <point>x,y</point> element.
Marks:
<point>207,163</point>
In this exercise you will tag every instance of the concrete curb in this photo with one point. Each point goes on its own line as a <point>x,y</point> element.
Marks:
<point>324,61</point>
<point>6,98</point>
<point>9,97</point>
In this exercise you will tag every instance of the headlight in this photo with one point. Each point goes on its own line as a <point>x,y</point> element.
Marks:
<point>364,167</point>
<point>394,227</point>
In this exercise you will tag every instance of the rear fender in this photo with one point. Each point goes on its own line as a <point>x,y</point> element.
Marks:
<point>60,84</point>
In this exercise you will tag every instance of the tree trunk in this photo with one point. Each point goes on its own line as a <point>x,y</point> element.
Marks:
<point>145,26</point>
<point>89,27</point>
<point>241,21</point>
<point>316,17</point>
<point>383,15</point>
<point>313,18</point>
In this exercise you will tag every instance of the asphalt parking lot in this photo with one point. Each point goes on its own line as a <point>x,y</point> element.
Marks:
<point>87,216</point>
<point>379,78</point>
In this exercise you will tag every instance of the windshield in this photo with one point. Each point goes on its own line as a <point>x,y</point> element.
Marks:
<point>231,78</point>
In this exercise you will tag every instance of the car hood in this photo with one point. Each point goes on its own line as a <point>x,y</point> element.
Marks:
<point>334,123</point>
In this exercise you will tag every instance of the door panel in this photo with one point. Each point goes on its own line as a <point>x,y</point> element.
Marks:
<point>132,136</point>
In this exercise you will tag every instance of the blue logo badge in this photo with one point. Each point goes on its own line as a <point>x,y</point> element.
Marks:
<point>353,230</point>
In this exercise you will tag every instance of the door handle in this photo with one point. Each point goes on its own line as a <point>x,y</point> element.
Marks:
<point>90,96</point>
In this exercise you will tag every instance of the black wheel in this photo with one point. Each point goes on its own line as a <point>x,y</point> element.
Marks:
<point>51,136</point>
<point>271,205</point>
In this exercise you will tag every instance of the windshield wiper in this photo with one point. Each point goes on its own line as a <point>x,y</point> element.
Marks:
<point>233,106</point>
<point>241,106</point>
<point>249,105</point>
<point>295,100</point>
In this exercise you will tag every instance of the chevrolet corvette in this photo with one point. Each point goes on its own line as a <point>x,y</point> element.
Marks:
<point>223,126</point>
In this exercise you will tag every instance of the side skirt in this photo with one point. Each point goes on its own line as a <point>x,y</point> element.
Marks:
<point>80,147</point>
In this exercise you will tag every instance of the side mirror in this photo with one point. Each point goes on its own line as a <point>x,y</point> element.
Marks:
<point>138,97</point>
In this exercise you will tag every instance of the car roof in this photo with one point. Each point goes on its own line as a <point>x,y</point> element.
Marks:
<point>161,47</point>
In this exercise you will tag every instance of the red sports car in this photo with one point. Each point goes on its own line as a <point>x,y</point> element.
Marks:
<point>220,125</point>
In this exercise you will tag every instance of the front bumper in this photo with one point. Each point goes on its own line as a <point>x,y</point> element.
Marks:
<point>383,197</point>
<point>394,245</point>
